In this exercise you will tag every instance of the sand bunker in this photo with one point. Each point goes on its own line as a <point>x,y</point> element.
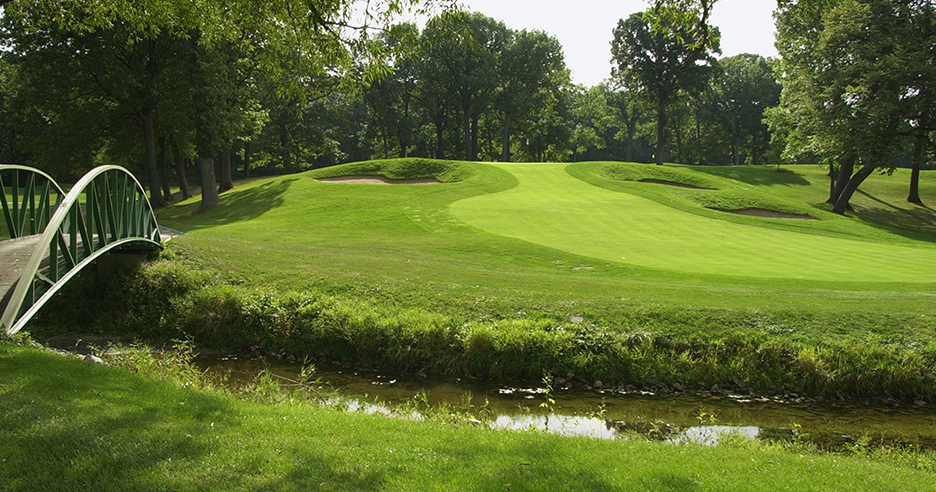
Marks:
<point>674,183</point>
<point>376,179</point>
<point>770,214</point>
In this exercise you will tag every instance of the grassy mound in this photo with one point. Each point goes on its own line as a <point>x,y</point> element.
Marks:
<point>641,173</point>
<point>400,169</point>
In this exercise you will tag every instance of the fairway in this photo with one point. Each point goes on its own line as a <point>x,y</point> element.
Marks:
<point>552,208</point>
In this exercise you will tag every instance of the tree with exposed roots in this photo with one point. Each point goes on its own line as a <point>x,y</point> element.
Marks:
<point>854,82</point>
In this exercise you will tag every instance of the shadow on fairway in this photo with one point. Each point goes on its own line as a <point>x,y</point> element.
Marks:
<point>917,222</point>
<point>235,206</point>
<point>83,455</point>
<point>759,176</point>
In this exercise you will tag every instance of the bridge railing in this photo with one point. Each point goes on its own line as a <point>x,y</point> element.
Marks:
<point>29,197</point>
<point>105,210</point>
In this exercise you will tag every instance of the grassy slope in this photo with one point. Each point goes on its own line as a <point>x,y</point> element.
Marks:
<point>70,425</point>
<point>552,208</point>
<point>402,243</point>
<point>293,232</point>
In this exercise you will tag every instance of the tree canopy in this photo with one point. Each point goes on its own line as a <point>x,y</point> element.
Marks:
<point>661,64</point>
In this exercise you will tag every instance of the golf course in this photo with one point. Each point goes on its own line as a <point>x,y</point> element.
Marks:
<point>636,275</point>
<point>630,273</point>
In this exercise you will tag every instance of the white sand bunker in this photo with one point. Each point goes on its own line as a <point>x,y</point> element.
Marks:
<point>376,179</point>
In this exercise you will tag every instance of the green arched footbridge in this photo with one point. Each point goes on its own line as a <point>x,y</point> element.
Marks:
<point>50,235</point>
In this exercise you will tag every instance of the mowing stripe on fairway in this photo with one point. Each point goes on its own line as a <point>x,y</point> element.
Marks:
<point>552,208</point>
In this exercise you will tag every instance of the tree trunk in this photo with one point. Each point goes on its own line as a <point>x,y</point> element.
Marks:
<point>841,205</point>
<point>736,150</point>
<point>846,168</point>
<point>180,169</point>
<point>247,159</point>
<point>156,198</point>
<point>919,147</point>
<point>660,131</point>
<point>754,160</point>
<point>831,180</point>
<point>164,169</point>
<point>466,122</point>
<point>206,175</point>
<point>631,130</point>
<point>505,146</point>
<point>474,139</point>
<point>678,133</point>
<point>226,182</point>
<point>203,132</point>
<point>440,139</point>
<point>402,147</point>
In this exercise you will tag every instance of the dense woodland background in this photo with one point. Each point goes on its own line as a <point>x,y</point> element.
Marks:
<point>176,89</point>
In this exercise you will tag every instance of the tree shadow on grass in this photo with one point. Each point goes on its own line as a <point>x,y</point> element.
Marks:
<point>236,206</point>
<point>49,446</point>
<point>917,222</point>
<point>127,432</point>
<point>759,176</point>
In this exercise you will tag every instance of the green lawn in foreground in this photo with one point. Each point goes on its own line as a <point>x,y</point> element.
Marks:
<point>69,425</point>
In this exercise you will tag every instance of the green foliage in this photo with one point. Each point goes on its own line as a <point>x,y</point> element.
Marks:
<point>715,347</point>
<point>662,62</point>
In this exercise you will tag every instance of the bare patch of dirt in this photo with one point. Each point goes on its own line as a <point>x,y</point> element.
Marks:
<point>674,183</point>
<point>376,179</point>
<point>770,214</point>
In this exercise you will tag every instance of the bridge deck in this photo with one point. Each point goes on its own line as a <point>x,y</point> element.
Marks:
<point>14,254</point>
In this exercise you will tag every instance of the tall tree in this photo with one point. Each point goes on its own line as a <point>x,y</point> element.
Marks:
<point>526,66</point>
<point>629,110</point>
<point>847,82</point>
<point>743,89</point>
<point>662,63</point>
<point>463,50</point>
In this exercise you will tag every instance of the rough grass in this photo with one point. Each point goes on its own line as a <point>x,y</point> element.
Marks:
<point>653,349</point>
<point>70,425</point>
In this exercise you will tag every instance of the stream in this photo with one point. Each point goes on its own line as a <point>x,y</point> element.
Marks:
<point>607,414</point>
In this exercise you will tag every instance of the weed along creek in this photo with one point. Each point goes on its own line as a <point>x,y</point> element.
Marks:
<point>600,413</point>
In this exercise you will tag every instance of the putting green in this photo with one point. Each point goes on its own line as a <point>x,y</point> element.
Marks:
<point>551,208</point>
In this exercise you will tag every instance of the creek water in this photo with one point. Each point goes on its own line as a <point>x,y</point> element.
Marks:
<point>685,417</point>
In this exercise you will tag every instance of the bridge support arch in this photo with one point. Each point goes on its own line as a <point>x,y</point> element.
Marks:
<point>107,210</point>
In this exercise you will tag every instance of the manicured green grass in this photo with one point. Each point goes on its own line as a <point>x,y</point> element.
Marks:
<point>552,208</point>
<point>293,232</point>
<point>70,425</point>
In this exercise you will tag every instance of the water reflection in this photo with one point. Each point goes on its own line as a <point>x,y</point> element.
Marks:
<point>682,418</point>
